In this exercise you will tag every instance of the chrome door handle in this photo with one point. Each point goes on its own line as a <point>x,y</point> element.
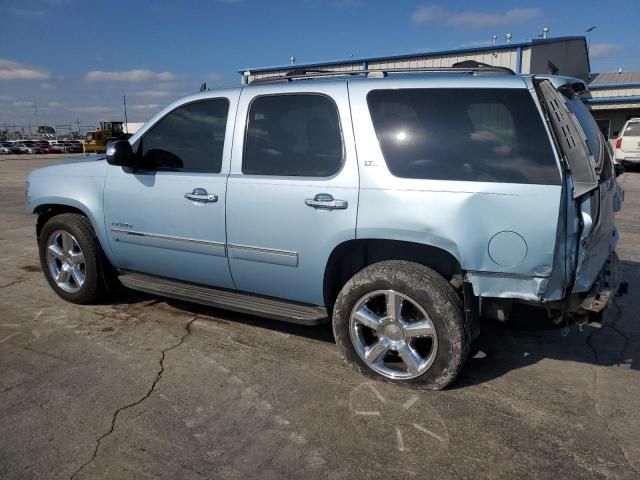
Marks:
<point>201,195</point>
<point>324,201</point>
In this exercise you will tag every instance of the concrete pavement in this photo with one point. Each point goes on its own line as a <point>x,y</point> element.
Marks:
<point>143,387</point>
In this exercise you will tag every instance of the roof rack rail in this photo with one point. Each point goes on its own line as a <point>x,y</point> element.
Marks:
<point>469,66</point>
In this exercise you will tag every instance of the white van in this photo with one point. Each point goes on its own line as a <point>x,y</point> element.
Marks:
<point>628,143</point>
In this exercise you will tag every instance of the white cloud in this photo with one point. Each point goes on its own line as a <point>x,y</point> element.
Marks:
<point>5,98</point>
<point>55,104</point>
<point>94,109</point>
<point>602,50</point>
<point>473,19</point>
<point>145,107</point>
<point>10,70</point>
<point>136,75</point>
<point>154,93</point>
<point>214,77</point>
<point>22,104</point>
<point>476,43</point>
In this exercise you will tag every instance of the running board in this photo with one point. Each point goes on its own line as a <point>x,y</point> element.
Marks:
<point>225,299</point>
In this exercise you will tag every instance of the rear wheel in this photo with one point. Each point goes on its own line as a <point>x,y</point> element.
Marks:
<point>70,258</point>
<point>402,322</point>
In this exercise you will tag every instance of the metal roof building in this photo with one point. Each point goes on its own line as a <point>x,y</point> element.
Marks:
<point>561,56</point>
<point>616,96</point>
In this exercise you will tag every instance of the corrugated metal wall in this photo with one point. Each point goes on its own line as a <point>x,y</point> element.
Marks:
<point>501,58</point>
<point>616,92</point>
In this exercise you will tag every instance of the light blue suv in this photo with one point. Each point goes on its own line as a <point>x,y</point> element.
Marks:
<point>403,206</point>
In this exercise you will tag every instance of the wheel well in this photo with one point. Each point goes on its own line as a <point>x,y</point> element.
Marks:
<point>350,257</point>
<point>46,212</point>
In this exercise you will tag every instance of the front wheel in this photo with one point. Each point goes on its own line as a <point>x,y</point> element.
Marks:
<point>402,322</point>
<point>69,256</point>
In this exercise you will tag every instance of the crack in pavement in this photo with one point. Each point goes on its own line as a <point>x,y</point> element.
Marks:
<point>606,422</point>
<point>114,418</point>
<point>16,281</point>
<point>596,403</point>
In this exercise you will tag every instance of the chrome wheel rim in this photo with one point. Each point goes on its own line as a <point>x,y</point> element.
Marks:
<point>66,261</point>
<point>393,335</point>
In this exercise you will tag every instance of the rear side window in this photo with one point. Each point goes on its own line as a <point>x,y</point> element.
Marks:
<point>593,134</point>
<point>293,135</point>
<point>483,135</point>
<point>632,130</point>
<point>190,138</point>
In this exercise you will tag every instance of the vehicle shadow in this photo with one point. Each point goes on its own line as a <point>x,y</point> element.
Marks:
<point>530,337</point>
<point>322,332</point>
<point>501,347</point>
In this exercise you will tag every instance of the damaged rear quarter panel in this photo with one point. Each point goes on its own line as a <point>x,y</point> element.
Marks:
<point>460,217</point>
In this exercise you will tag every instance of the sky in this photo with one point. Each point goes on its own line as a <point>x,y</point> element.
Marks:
<point>75,58</point>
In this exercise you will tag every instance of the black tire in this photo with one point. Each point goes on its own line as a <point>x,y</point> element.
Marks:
<point>80,228</point>
<point>428,289</point>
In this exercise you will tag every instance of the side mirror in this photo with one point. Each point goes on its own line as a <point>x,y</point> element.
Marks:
<point>120,153</point>
<point>618,169</point>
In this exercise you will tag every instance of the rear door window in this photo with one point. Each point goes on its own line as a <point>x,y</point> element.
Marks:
<point>293,135</point>
<point>484,135</point>
<point>595,139</point>
<point>571,137</point>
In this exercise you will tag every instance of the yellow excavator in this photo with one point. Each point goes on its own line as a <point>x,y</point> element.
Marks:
<point>96,140</point>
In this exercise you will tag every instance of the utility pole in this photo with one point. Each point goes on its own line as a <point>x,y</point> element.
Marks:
<point>35,109</point>
<point>588,32</point>
<point>126,122</point>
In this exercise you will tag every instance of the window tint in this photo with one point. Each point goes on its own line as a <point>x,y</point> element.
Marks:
<point>632,130</point>
<point>294,135</point>
<point>189,138</point>
<point>485,135</point>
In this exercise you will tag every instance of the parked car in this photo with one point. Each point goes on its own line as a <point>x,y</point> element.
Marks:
<point>20,148</point>
<point>628,143</point>
<point>57,146</point>
<point>49,149</point>
<point>31,147</point>
<point>401,207</point>
<point>13,147</point>
<point>73,147</point>
<point>5,148</point>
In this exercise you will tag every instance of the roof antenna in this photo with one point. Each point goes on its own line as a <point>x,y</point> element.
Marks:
<point>203,87</point>
<point>508,37</point>
<point>494,39</point>
<point>545,33</point>
<point>292,59</point>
